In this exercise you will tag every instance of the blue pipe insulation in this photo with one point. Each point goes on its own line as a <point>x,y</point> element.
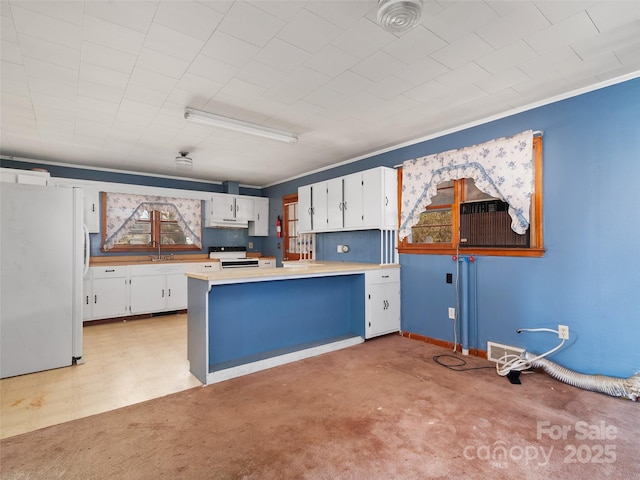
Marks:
<point>464,304</point>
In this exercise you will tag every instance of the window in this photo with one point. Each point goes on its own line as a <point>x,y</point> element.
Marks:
<point>290,227</point>
<point>459,207</point>
<point>135,223</point>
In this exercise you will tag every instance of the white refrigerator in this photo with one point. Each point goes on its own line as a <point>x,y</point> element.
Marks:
<point>42,256</point>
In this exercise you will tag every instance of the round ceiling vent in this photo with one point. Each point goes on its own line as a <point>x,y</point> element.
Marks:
<point>398,16</point>
<point>183,162</point>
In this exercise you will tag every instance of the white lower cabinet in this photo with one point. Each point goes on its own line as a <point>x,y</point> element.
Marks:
<point>109,292</point>
<point>157,288</point>
<point>120,291</point>
<point>382,297</point>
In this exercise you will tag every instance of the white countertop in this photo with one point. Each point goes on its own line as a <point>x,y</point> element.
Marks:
<point>301,269</point>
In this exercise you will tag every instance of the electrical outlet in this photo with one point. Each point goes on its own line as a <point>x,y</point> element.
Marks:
<point>563,332</point>
<point>452,313</point>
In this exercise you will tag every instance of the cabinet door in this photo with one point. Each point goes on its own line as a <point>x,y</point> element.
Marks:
<point>176,292</point>
<point>304,209</point>
<point>91,212</point>
<point>383,309</point>
<point>110,297</point>
<point>148,294</point>
<point>221,206</point>
<point>335,204</point>
<point>372,202</point>
<point>243,208</point>
<point>352,201</point>
<point>319,206</point>
<point>259,227</point>
<point>87,299</point>
<point>390,199</point>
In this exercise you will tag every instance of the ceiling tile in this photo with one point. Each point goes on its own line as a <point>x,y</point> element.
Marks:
<point>71,11</point>
<point>421,71</point>
<point>612,14</point>
<point>250,24</point>
<point>241,89</point>
<point>49,52</point>
<point>560,9</point>
<point>305,79</point>
<point>331,61</point>
<point>109,109</point>
<point>198,86</point>
<point>283,10</point>
<point>505,57</point>
<point>12,71</point>
<point>548,64</point>
<point>46,86</point>
<point>229,49</point>
<point>523,20</point>
<point>415,45</point>
<point>621,37</point>
<point>14,87</point>
<point>173,43</point>
<point>378,66</point>
<point>46,101</point>
<point>390,87</point>
<point>94,115</point>
<point>53,113</point>
<point>427,92</point>
<point>342,14</point>
<point>136,112</point>
<point>309,32</point>
<point>458,19</point>
<point>212,69</point>
<point>349,83</point>
<point>111,35</point>
<point>198,21</point>
<point>152,80</point>
<point>502,80</point>
<point>462,51</point>
<point>132,15</point>
<point>285,94</point>
<point>363,39</point>
<point>100,91</point>
<point>145,95</point>
<point>49,71</point>
<point>282,55</point>
<point>7,29</point>
<point>46,28</point>
<point>573,29</point>
<point>260,74</point>
<point>95,74</point>
<point>10,52</point>
<point>160,63</point>
<point>462,76</point>
<point>629,55</point>
<point>107,57</point>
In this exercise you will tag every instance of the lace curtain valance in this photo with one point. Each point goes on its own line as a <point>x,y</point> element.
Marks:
<point>123,209</point>
<point>502,168</point>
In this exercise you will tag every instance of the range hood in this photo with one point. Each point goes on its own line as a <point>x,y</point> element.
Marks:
<point>225,223</point>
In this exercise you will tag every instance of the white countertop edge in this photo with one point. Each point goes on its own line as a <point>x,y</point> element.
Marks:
<point>322,269</point>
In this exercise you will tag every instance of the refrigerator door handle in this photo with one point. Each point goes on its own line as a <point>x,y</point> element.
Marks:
<point>87,250</point>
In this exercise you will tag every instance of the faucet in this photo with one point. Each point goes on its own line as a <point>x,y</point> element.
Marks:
<point>158,244</point>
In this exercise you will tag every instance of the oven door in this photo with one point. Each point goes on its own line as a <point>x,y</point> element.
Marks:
<point>239,263</point>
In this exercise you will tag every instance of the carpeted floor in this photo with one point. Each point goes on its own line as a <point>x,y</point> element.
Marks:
<point>380,410</point>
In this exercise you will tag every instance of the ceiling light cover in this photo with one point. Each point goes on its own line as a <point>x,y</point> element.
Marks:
<point>398,16</point>
<point>214,120</point>
<point>183,162</point>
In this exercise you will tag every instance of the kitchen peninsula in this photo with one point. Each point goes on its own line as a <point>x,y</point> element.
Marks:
<point>244,321</point>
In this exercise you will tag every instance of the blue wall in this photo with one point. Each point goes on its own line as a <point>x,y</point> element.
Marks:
<point>589,277</point>
<point>210,236</point>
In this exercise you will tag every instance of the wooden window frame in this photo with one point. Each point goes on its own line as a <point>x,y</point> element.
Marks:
<point>536,236</point>
<point>287,200</point>
<point>155,236</point>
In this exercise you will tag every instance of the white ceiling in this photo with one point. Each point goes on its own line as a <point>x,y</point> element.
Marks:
<point>105,83</point>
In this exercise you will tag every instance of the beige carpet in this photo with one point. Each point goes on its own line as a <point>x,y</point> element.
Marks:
<point>380,410</point>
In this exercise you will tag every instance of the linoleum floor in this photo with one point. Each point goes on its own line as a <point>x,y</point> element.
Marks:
<point>125,363</point>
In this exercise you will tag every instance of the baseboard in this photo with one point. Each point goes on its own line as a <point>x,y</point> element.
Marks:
<point>443,343</point>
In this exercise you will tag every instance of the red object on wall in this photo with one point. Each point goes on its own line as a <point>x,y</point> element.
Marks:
<point>279,227</point>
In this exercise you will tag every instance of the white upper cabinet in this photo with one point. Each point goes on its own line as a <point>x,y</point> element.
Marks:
<point>224,209</point>
<point>259,227</point>
<point>360,201</point>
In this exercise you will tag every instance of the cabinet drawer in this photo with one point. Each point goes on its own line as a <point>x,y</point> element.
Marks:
<point>384,275</point>
<point>109,272</point>
<point>206,267</point>
<point>266,263</point>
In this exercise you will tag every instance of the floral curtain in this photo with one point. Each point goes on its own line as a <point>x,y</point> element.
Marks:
<point>123,209</point>
<point>502,168</point>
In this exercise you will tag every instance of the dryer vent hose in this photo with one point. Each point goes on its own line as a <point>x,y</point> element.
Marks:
<point>614,386</point>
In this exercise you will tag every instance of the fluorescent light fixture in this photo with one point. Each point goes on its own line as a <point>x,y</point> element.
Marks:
<point>214,120</point>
